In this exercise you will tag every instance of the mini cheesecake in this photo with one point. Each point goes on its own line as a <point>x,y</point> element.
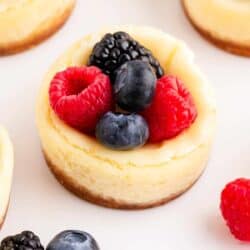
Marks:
<point>225,23</point>
<point>25,23</point>
<point>6,169</point>
<point>144,177</point>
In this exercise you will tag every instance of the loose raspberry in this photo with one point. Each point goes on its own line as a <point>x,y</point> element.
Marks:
<point>235,208</point>
<point>80,96</point>
<point>171,111</point>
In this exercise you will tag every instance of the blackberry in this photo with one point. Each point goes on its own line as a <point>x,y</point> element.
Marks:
<point>116,49</point>
<point>23,241</point>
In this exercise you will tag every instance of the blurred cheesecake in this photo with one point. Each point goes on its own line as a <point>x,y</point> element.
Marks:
<point>223,22</point>
<point>25,23</point>
<point>6,169</point>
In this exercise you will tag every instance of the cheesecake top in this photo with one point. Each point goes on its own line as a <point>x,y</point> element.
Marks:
<point>20,18</point>
<point>176,59</point>
<point>225,19</point>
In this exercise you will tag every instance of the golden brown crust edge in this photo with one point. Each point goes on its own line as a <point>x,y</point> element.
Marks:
<point>229,46</point>
<point>85,194</point>
<point>38,36</point>
<point>4,217</point>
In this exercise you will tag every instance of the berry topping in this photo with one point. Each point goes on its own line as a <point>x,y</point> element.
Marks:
<point>235,208</point>
<point>73,240</point>
<point>80,96</point>
<point>116,49</point>
<point>23,241</point>
<point>134,85</point>
<point>121,131</point>
<point>171,111</point>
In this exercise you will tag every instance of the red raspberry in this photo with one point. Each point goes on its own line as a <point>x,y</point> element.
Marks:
<point>235,208</point>
<point>171,111</point>
<point>80,96</point>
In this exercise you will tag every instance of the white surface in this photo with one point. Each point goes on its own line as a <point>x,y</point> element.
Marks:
<point>192,222</point>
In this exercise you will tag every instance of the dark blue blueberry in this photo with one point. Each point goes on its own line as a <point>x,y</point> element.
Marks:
<point>134,85</point>
<point>73,240</point>
<point>122,131</point>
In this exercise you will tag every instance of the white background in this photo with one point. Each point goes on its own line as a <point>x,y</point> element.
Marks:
<point>192,222</point>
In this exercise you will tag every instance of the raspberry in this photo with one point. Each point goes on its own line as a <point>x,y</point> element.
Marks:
<point>171,111</point>
<point>80,96</point>
<point>235,208</point>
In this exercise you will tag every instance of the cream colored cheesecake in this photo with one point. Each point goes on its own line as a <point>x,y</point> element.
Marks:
<point>223,22</point>
<point>140,178</point>
<point>25,23</point>
<point>6,170</point>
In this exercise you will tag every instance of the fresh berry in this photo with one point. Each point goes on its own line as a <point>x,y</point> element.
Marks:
<point>23,241</point>
<point>80,96</point>
<point>171,111</point>
<point>134,85</point>
<point>122,131</point>
<point>235,208</point>
<point>116,49</point>
<point>73,240</point>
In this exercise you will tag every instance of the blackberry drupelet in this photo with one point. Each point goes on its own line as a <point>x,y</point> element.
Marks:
<point>116,49</point>
<point>23,241</point>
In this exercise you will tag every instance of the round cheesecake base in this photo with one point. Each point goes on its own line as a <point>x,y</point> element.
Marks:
<point>41,34</point>
<point>144,178</point>
<point>229,46</point>
<point>85,194</point>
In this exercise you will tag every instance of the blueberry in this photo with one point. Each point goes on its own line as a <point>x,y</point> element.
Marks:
<point>122,131</point>
<point>73,240</point>
<point>134,85</point>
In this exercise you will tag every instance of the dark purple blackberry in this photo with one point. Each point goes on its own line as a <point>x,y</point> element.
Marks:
<point>23,241</point>
<point>116,49</point>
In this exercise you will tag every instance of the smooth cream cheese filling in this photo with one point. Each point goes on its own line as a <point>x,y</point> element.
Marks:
<point>177,60</point>
<point>19,19</point>
<point>224,19</point>
<point>7,5</point>
<point>6,169</point>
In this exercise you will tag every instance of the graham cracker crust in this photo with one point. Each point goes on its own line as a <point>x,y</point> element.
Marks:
<point>85,194</point>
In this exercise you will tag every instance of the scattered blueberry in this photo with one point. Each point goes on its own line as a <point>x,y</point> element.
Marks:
<point>122,131</point>
<point>73,240</point>
<point>134,85</point>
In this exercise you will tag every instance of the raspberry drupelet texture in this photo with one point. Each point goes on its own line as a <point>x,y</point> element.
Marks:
<point>23,241</point>
<point>171,111</point>
<point>80,96</point>
<point>116,49</point>
<point>235,208</point>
